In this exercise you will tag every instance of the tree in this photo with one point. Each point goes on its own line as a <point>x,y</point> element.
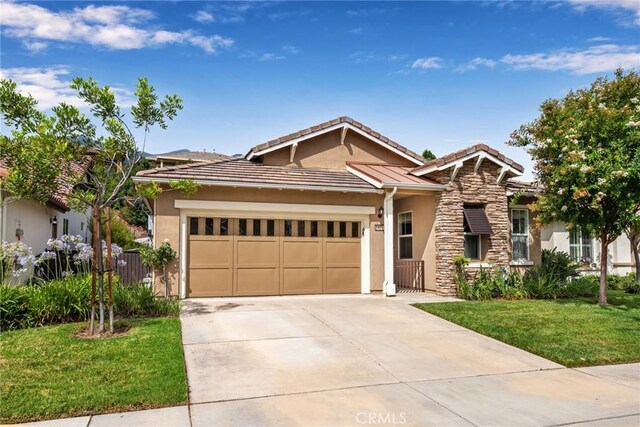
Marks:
<point>41,147</point>
<point>633,234</point>
<point>159,259</point>
<point>427,154</point>
<point>586,149</point>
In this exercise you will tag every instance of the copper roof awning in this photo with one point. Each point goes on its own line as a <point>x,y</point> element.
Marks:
<point>476,220</point>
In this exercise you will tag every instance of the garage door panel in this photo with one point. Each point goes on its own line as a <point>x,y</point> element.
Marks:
<point>302,280</point>
<point>343,252</point>
<point>307,252</point>
<point>342,280</point>
<point>211,253</point>
<point>257,281</point>
<point>255,252</point>
<point>208,282</point>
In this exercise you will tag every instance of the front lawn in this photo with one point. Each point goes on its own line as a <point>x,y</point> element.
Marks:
<point>49,373</point>
<point>572,332</point>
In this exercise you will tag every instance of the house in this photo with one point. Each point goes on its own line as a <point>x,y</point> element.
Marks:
<point>583,248</point>
<point>181,158</point>
<point>35,223</point>
<point>335,208</point>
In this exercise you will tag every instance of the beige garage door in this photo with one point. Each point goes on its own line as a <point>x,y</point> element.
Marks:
<point>250,256</point>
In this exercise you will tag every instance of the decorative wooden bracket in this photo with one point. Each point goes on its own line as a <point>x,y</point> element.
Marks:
<point>292,153</point>
<point>343,134</point>
<point>456,169</point>
<point>479,162</point>
<point>503,172</point>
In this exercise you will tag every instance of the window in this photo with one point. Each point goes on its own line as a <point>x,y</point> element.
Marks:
<point>65,226</point>
<point>355,229</point>
<point>256,227</point>
<point>82,226</point>
<point>224,226</point>
<point>472,242</point>
<point>330,232</point>
<point>271,227</point>
<point>287,227</point>
<point>343,229</point>
<point>301,230</point>
<point>314,228</point>
<point>405,235</point>
<point>520,234</point>
<point>193,225</point>
<point>580,246</point>
<point>242,227</point>
<point>208,226</point>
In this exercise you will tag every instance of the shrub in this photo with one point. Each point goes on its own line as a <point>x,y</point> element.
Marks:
<point>625,283</point>
<point>549,279</point>
<point>68,300</point>
<point>631,285</point>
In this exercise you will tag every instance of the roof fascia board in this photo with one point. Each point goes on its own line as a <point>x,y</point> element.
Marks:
<point>453,163</point>
<point>148,179</point>
<point>283,208</point>
<point>378,141</point>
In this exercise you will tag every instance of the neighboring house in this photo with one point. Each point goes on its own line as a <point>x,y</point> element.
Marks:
<point>335,208</point>
<point>584,249</point>
<point>174,159</point>
<point>35,223</point>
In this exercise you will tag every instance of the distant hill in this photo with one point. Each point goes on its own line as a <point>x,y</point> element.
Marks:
<point>182,150</point>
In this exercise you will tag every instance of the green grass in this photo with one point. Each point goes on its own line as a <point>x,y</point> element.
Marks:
<point>49,373</point>
<point>573,332</point>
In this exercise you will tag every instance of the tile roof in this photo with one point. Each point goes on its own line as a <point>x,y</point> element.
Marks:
<point>329,123</point>
<point>465,152</point>
<point>70,176</point>
<point>390,174</point>
<point>194,156</point>
<point>238,170</point>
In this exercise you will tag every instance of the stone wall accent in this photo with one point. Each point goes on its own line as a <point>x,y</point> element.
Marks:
<point>469,187</point>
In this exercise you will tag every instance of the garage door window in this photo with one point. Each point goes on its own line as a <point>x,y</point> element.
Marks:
<point>330,229</point>
<point>271,227</point>
<point>224,227</point>
<point>257,227</point>
<point>343,229</point>
<point>193,225</point>
<point>314,228</point>
<point>355,229</point>
<point>287,227</point>
<point>242,227</point>
<point>208,226</point>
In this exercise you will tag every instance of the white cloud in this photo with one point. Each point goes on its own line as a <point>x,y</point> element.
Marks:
<point>290,49</point>
<point>203,17</point>
<point>475,63</point>
<point>595,59</point>
<point>34,46</point>
<point>599,39</point>
<point>113,27</point>
<point>629,10</point>
<point>270,57</point>
<point>356,31</point>
<point>427,63</point>
<point>364,13</point>
<point>48,85</point>
<point>368,57</point>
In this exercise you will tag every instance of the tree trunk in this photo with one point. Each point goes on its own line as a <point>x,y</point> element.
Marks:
<point>165,277</point>
<point>109,268</point>
<point>94,267</point>
<point>635,248</point>
<point>604,245</point>
<point>100,278</point>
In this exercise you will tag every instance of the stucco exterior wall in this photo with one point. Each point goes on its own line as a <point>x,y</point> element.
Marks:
<point>35,221</point>
<point>424,236</point>
<point>472,188</point>
<point>325,151</point>
<point>167,219</point>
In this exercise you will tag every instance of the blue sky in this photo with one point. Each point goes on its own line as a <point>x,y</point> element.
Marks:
<point>437,75</point>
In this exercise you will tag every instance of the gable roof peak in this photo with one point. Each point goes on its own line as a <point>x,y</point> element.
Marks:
<point>330,125</point>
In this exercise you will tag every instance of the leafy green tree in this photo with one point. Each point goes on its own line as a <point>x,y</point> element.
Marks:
<point>427,154</point>
<point>40,147</point>
<point>586,149</point>
<point>158,259</point>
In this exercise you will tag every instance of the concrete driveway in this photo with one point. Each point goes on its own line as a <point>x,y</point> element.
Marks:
<point>368,360</point>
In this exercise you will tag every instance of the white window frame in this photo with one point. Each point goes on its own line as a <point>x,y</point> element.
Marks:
<point>65,226</point>
<point>580,245</point>
<point>525,235</point>
<point>405,235</point>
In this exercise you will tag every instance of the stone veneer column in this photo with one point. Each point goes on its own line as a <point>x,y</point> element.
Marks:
<point>469,188</point>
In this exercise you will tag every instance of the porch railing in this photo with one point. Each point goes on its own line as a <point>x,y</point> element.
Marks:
<point>409,275</point>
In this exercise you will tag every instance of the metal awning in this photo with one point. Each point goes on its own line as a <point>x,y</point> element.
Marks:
<point>476,220</point>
